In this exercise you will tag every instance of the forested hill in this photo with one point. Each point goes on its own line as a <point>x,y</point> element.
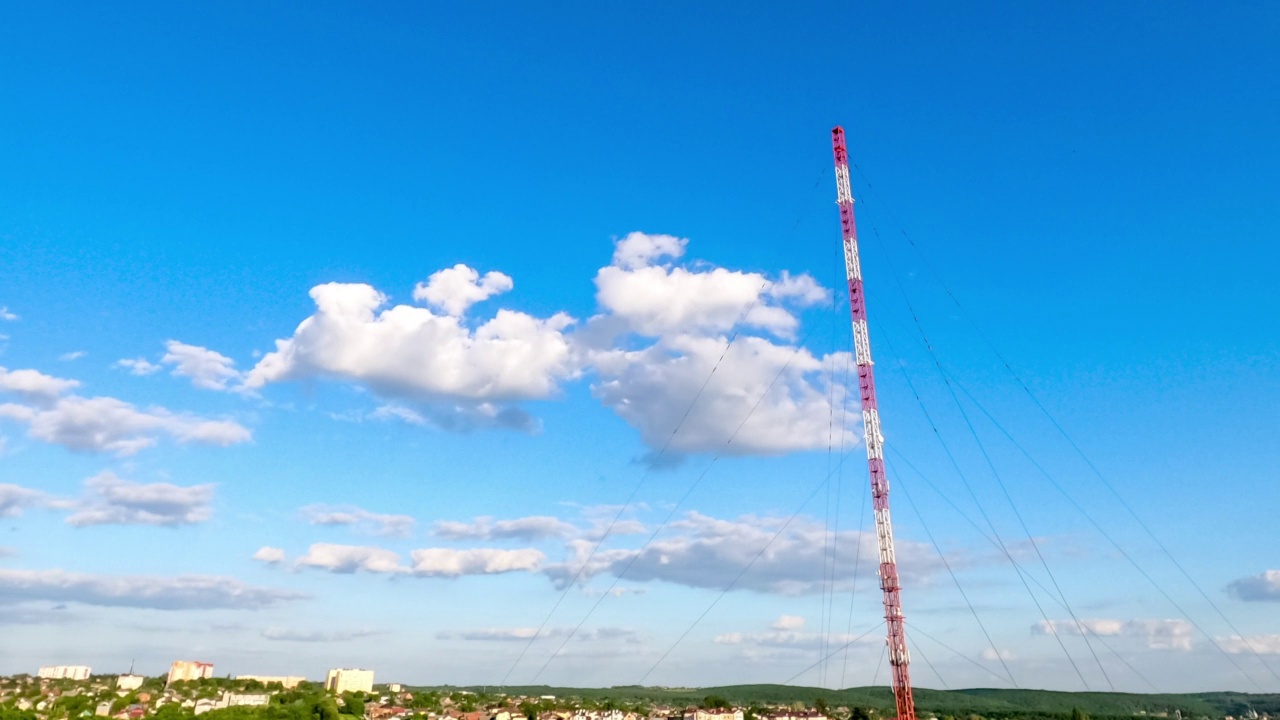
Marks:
<point>989,703</point>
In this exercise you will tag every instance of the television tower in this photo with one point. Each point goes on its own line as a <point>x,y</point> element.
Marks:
<point>899,658</point>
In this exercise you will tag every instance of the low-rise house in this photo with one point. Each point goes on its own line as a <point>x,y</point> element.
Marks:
<point>705,714</point>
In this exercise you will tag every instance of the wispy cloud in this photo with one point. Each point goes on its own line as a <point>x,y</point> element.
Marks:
<point>1155,634</point>
<point>207,369</point>
<point>359,519</point>
<point>138,366</point>
<point>288,635</point>
<point>109,500</point>
<point>536,527</point>
<point>186,592</point>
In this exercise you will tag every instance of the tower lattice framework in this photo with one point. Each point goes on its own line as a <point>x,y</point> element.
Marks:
<point>899,658</point>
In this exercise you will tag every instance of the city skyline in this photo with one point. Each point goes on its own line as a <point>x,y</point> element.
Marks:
<point>332,338</point>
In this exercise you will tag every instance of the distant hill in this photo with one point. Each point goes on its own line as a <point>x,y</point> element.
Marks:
<point>991,703</point>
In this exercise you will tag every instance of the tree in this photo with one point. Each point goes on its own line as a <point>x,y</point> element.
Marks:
<point>171,711</point>
<point>820,705</point>
<point>715,702</point>
<point>354,705</point>
<point>859,714</point>
<point>1078,714</point>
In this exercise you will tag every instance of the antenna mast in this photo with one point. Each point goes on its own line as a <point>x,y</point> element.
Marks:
<point>899,658</point>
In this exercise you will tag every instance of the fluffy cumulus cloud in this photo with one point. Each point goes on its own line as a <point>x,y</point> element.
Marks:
<point>350,558</point>
<point>269,555</point>
<point>426,562</point>
<point>457,288</point>
<point>707,552</point>
<point>654,298</point>
<point>102,424</point>
<point>34,385</point>
<point>461,376</point>
<point>206,368</point>
<point>188,592</point>
<point>359,519</point>
<point>1263,587</point>
<point>1155,634</point>
<point>536,527</point>
<point>661,354</point>
<point>108,500</point>
<point>447,562</point>
<point>661,331</point>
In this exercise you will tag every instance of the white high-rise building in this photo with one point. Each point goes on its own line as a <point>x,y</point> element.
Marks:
<point>342,680</point>
<point>64,672</point>
<point>189,670</point>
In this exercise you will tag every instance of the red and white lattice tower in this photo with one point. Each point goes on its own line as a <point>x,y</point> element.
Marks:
<point>897,640</point>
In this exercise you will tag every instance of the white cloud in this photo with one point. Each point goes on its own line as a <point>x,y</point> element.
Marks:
<point>7,315</point>
<point>455,289</point>
<point>705,552</point>
<point>536,527</point>
<point>1172,634</point>
<point>447,562</point>
<point>14,499</point>
<point>661,339</point>
<point>788,622</point>
<point>207,369</point>
<point>1261,644</point>
<point>350,558</point>
<point>468,376</point>
<point>111,501</point>
<point>187,592</point>
<point>787,634</point>
<point>992,654</point>
<point>104,424</point>
<point>138,366</point>
<point>773,396</point>
<point>658,300</point>
<point>74,355</point>
<point>460,416</point>
<point>360,519</point>
<point>1263,587</point>
<point>34,385</point>
<point>269,555</point>
<point>288,635</point>
<point>639,249</point>
<point>527,633</point>
<point>427,562</point>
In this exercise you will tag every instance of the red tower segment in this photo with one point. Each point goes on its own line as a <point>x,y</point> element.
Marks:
<point>899,659</point>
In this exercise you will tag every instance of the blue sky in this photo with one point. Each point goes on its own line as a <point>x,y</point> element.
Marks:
<point>566,215</point>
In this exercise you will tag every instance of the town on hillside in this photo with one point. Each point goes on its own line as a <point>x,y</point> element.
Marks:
<point>69,692</point>
<point>73,692</point>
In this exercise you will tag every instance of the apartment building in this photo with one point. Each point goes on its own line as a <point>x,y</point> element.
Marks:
<point>64,672</point>
<point>189,670</point>
<point>340,680</point>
